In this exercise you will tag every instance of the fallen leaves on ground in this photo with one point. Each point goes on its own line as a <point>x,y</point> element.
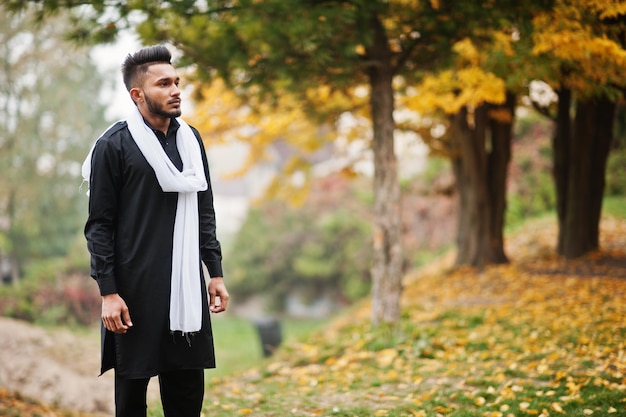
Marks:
<point>541,336</point>
<point>15,405</point>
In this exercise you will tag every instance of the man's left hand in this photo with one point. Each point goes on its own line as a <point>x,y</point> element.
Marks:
<point>218,295</point>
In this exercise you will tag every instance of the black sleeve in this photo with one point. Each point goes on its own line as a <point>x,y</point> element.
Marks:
<point>102,219</point>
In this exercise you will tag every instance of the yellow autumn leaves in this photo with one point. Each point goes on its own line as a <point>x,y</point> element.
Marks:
<point>566,35</point>
<point>262,122</point>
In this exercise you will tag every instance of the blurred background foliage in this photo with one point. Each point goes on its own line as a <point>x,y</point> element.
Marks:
<point>310,239</point>
<point>50,113</point>
<point>319,250</point>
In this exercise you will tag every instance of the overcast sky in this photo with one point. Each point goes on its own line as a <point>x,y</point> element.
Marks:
<point>109,59</point>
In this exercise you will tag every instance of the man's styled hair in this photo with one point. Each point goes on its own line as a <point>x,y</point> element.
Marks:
<point>137,64</point>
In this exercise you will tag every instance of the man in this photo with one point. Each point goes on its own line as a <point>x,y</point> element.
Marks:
<point>151,223</point>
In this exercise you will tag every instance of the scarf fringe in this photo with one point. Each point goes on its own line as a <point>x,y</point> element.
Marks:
<point>187,335</point>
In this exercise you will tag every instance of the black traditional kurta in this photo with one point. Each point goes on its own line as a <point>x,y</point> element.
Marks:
<point>129,234</point>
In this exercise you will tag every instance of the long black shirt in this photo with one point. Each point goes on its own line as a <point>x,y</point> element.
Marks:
<point>129,234</point>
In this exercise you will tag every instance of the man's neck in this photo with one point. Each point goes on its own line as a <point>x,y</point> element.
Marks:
<point>157,122</point>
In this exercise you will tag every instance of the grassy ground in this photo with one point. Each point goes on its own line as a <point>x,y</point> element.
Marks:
<point>238,345</point>
<point>542,336</point>
<point>615,206</point>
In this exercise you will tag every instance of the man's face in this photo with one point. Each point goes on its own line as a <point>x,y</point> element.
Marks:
<point>160,91</point>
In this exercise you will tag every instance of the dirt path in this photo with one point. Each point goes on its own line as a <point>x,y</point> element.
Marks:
<point>56,367</point>
<point>53,367</point>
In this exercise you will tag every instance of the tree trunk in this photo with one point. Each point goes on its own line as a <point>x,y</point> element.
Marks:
<point>480,167</point>
<point>583,175</point>
<point>605,112</point>
<point>387,257</point>
<point>561,157</point>
<point>497,174</point>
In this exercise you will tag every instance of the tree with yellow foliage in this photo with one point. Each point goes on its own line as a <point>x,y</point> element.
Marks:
<point>225,117</point>
<point>474,99</point>
<point>578,49</point>
<point>583,43</point>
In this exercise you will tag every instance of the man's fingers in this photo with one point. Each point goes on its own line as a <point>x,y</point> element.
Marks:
<point>224,301</point>
<point>114,324</point>
<point>211,298</point>
<point>119,324</point>
<point>126,317</point>
<point>215,305</point>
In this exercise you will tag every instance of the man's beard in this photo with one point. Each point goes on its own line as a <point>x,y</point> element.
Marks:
<point>156,108</point>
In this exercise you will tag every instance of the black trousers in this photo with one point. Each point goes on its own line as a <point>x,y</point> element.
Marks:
<point>182,393</point>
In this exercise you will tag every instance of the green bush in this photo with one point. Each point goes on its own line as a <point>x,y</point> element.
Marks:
<point>52,293</point>
<point>533,191</point>
<point>535,197</point>
<point>318,249</point>
<point>616,173</point>
<point>78,258</point>
<point>615,206</point>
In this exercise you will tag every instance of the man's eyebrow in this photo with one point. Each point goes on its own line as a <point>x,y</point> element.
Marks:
<point>167,79</point>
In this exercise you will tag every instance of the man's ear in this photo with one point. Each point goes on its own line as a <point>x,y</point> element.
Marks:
<point>136,94</point>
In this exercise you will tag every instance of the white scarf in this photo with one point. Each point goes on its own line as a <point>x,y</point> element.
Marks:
<point>186,287</point>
